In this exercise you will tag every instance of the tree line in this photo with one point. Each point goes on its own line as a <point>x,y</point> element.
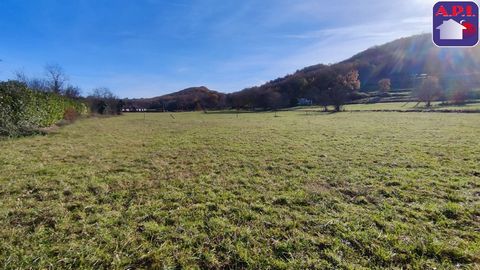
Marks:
<point>327,86</point>
<point>100,100</point>
<point>412,63</point>
<point>330,86</point>
<point>27,104</point>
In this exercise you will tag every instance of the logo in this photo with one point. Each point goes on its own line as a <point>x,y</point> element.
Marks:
<point>455,24</point>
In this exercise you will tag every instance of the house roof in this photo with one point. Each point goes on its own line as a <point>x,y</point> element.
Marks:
<point>451,23</point>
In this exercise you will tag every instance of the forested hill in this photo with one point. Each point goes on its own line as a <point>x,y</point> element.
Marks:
<point>193,98</point>
<point>401,61</point>
<point>402,58</point>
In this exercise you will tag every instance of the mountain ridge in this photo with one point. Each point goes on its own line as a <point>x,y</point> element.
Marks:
<point>400,60</point>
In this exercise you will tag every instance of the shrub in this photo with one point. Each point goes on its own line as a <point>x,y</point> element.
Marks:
<point>102,101</point>
<point>23,111</point>
<point>70,115</point>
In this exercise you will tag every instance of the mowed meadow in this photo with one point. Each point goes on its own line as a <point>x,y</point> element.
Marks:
<point>302,190</point>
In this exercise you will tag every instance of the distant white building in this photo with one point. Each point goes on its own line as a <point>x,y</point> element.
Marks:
<point>133,109</point>
<point>304,102</point>
<point>451,29</point>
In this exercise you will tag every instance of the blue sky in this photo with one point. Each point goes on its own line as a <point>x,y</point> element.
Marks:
<point>146,48</point>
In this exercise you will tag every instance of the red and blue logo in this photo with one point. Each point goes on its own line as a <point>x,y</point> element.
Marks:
<point>455,24</point>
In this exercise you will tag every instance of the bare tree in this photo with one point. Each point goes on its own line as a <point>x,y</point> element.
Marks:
<point>38,85</point>
<point>21,76</point>
<point>56,77</point>
<point>103,92</point>
<point>428,90</point>
<point>103,101</point>
<point>72,92</point>
<point>35,84</point>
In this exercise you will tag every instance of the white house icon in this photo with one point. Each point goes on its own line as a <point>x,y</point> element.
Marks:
<point>451,29</point>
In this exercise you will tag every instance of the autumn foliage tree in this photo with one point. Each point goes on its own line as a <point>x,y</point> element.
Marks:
<point>384,85</point>
<point>342,87</point>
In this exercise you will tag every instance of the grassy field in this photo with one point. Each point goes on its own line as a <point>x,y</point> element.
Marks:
<point>473,106</point>
<point>409,106</point>
<point>341,191</point>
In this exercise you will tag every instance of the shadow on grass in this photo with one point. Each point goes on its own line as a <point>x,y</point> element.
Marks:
<point>23,133</point>
<point>237,112</point>
<point>316,113</point>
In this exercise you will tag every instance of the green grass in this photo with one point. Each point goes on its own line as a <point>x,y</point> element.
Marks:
<point>409,106</point>
<point>340,191</point>
<point>473,106</point>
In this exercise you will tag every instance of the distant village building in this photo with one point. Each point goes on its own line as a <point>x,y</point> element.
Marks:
<point>304,102</point>
<point>134,109</point>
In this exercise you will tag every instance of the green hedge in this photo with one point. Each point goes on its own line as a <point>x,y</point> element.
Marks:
<point>23,110</point>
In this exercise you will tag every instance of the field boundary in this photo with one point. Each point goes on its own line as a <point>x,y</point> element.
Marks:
<point>422,111</point>
<point>402,111</point>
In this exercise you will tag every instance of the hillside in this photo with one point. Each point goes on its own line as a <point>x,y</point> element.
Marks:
<point>402,58</point>
<point>401,61</point>
<point>193,98</point>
